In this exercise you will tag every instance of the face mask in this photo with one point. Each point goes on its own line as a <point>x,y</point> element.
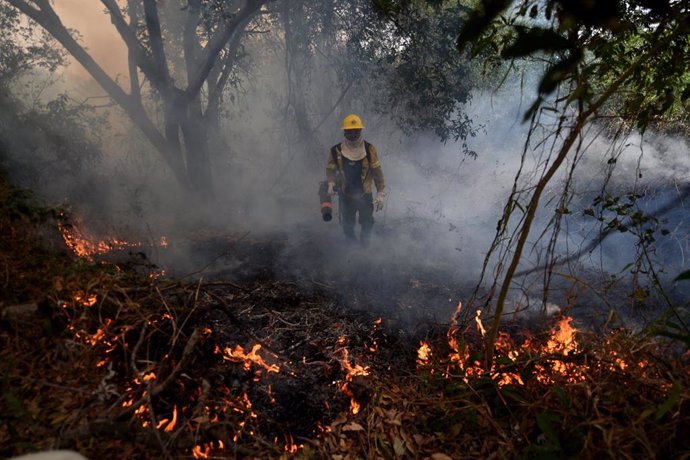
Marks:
<point>353,135</point>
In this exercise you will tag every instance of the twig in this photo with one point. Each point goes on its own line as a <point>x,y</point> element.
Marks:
<point>227,283</point>
<point>155,391</point>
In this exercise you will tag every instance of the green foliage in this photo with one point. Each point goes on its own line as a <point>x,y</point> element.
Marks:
<point>588,45</point>
<point>407,59</point>
<point>54,139</point>
<point>43,139</point>
<point>621,213</point>
<point>23,47</point>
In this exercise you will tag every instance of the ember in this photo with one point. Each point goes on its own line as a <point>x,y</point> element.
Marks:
<point>87,300</point>
<point>87,245</point>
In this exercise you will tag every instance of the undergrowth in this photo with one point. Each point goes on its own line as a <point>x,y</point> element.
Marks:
<point>116,363</point>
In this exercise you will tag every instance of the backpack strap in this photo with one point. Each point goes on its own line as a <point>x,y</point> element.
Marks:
<point>367,147</point>
<point>334,154</point>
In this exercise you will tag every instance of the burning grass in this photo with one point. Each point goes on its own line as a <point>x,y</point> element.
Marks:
<point>119,364</point>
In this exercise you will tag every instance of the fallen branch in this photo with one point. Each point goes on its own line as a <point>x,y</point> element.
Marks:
<point>156,390</point>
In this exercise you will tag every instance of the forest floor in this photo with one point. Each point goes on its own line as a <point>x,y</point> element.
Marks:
<point>115,359</point>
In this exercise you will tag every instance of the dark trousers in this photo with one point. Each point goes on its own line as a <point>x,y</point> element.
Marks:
<point>349,207</point>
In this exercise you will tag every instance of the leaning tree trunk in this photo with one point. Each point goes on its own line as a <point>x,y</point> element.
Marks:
<point>151,60</point>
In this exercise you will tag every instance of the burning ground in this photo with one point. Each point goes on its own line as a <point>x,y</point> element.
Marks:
<point>119,360</point>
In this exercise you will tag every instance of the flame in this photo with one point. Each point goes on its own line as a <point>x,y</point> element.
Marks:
<point>423,353</point>
<point>351,371</point>
<point>290,446</point>
<point>87,300</point>
<point>374,344</point>
<point>206,449</point>
<point>97,337</point>
<point>562,339</point>
<point>480,326</point>
<point>454,318</point>
<point>238,355</point>
<point>86,245</point>
<point>202,451</point>
<point>459,354</point>
<point>355,370</point>
<point>355,406</point>
<point>171,426</point>
<point>562,342</point>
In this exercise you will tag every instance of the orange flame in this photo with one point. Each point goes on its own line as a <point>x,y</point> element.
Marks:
<point>374,345</point>
<point>423,353</point>
<point>171,426</point>
<point>352,371</point>
<point>205,450</point>
<point>561,341</point>
<point>87,300</point>
<point>290,446</point>
<point>202,451</point>
<point>238,355</point>
<point>355,406</point>
<point>355,370</point>
<point>86,245</point>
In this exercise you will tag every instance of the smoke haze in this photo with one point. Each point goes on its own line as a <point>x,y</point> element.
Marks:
<point>441,211</point>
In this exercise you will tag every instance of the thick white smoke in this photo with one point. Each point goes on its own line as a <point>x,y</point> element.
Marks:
<point>442,207</point>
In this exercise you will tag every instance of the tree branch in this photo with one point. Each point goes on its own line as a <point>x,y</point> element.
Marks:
<point>218,42</point>
<point>48,19</point>
<point>684,195</point>
<point>575,131</point>
<point>156,40</point>
<point>128,35</point>
<point>135,89</point>
<point>217,89</point>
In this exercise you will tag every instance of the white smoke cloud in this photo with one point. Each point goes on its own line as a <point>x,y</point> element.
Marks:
<point>442,207</point>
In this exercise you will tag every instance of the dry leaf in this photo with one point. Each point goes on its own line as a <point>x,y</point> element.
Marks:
<point>439,456</point>
<point>353,426</point>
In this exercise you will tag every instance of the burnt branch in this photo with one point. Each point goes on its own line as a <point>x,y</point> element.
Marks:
<point>158,389</point>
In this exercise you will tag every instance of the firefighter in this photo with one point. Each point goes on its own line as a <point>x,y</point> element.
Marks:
<point>352,167</point>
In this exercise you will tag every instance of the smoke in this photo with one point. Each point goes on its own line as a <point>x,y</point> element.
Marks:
<point>99,36</point>
<point>440,215</point>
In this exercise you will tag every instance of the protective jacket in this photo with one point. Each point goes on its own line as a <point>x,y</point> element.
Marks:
<point>371,168</point>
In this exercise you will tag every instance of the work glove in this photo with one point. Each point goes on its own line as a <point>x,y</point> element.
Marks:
<point>331,189</point>
<point>378,201</point>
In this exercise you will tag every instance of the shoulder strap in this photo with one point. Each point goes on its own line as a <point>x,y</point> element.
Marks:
<point>334,153</point>
<point>367,148</point>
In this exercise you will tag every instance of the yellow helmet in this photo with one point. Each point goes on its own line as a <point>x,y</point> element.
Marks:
<point>352,121</point>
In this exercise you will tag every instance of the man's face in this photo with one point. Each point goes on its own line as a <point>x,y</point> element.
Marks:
<point>353,135</point>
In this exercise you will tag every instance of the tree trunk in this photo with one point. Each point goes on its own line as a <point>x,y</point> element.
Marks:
<point>297,64</point>
<point>181,107</point>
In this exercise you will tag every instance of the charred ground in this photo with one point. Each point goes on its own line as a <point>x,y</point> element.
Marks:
<point>254,358</point>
